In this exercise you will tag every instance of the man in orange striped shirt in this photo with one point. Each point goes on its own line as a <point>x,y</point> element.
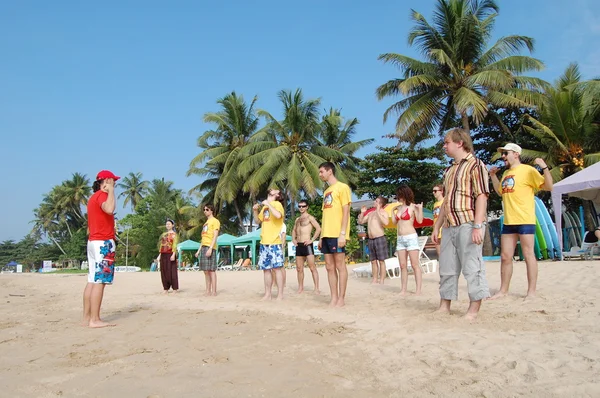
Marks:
<point>467,189</point>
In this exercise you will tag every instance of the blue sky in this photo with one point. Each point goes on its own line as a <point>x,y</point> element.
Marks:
<point>123,85</point>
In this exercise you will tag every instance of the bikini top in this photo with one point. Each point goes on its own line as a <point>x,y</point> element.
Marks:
<point>404,215</point>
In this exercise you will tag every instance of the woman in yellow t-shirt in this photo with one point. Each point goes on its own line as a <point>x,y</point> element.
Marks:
<point>207,252</point>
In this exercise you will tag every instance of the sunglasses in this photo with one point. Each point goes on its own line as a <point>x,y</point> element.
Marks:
<point>302,206</point>
<point>436,190</point>
<point>504,153</point>
<point>206,209</point>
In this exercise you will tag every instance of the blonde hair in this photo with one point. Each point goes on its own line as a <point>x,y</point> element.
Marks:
<point>458,135</point>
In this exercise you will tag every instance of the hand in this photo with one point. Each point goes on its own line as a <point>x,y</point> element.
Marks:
<point>363,209</point>
<point>265,202</point>
<point>320,245</point>
<point>110,185</point>
<point>173,257</point>
<point>256,207</point>
<point>308,243</point>
<point>342,241</point>
<point>477,236</point>
<point>395,210</point>
<point>294,242</point>
<point>540,162</point>
<point>419,205</point>
<point>494,170</point>
<point>434,236</point>
<point>197,253</point>
<point>209,252</point>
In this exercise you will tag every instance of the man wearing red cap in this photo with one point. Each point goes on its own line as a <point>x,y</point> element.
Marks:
<point>517,187</point>
<point>100,247</point>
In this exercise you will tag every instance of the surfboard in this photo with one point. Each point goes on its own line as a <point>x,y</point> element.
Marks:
<point>569,233</point>
<point>544,226</point>
<point>551,227</point>
<point>577,227</point>
<point>540,237</point>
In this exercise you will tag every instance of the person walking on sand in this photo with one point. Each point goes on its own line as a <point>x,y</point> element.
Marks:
<point>335,230</point>
<point>407,244</point>
<point>270,215</point>
<point>167,258</point>
<point>377,244</point>
<point>466,190</point>
<point>100,247</point>
<point>438,194</point>
<point>207,252</point>
<point>518,186</point>
<point>303,238</point>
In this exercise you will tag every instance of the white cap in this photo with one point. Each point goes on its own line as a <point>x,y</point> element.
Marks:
<point>511,147</point>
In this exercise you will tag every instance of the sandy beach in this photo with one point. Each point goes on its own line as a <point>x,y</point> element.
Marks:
<point>233,345</point>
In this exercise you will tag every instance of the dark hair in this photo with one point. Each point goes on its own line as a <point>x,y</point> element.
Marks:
<point>209,206</point>
<point>440,186</point>
<point>96,185</point>
<point>404,192</point>
<point>279,196</point>
<point>328,166</point>
<point>383,200</point>
<point>303,201</point>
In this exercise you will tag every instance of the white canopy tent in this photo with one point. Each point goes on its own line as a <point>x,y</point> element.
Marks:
<point>584,184</point>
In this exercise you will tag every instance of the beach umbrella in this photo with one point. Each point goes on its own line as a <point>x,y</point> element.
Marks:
<point>389,208</point>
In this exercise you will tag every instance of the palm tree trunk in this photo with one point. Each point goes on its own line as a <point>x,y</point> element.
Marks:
<point>56,243</point>
<point>465,121</point>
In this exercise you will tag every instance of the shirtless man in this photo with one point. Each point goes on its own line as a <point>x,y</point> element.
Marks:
<point>302,239</point>
<point>378,246</point>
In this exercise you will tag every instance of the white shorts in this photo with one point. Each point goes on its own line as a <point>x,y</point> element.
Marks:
<point>101,260</point>
<point>407,242</point>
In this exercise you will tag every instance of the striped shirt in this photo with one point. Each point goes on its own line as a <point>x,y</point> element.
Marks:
<point>463,183</point>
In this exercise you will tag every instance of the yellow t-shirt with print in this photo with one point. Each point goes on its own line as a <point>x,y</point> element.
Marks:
<point>208,232</point>
<point>334,198</point>
<point>271,226</point>
<point>518,186</point>
<point>437,206</point>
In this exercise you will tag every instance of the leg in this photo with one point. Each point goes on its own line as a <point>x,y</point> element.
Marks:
<point>300,271</point>
<point>164,273</point>
<point>449,270</point>
<point>508,242</point>
<point>332,278</point>
<point>213,282</point>
<point>473,268</point>
<point>416,266</point>
<point>527,243</point>
<point>87,293</point>
<point>207,283</point>
<point>174,275</point>
<point>340,265</point>
<point>375,272</point>
<point>95,303</point>
<point>284,275</point>
<point>310,259</point>
<point>268,278</point>
<point>279,277</point>
<point>403,270</point>
<point>382,271</point>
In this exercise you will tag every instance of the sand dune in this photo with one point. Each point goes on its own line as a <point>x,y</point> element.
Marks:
<point>233,345</point>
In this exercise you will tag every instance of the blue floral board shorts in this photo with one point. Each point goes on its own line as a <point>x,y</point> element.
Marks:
<point>270,257</point>
<point>101,261</point>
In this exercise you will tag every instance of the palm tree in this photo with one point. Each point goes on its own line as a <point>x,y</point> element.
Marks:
<point>220,157</point>
<point>568,125</point>
<point>286,153</point>
<point>459,78</point>
<point>134,189</point>
<point>337,133</point>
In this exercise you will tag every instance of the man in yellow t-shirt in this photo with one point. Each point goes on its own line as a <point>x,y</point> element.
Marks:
<point>335,229</point>
<point>438,194</point>
<point>518,186</point>
<point>206,251</point>
<point>270,215</point>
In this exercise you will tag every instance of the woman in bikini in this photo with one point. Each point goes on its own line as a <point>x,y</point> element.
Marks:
<point>407,244</point>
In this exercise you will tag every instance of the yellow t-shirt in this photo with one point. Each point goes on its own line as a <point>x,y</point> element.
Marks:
<point>437,206</point>
<point>271,226</point>
<point>334,198</point>
<point>208,232</point>
<point>518,186</point>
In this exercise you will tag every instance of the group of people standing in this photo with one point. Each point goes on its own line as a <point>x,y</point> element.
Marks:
<point>460,213</point>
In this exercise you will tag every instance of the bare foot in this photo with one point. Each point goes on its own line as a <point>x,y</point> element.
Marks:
<point>206,294</point>
<point>498,295</point>
<point>85,322</point>
<point>175,291</point>
<point>165,291</point>
<point>418,293</point>
<point>300,291</point>
<point>470,316</point>
<point>100,324</point>
<point>340,303</point>
<point>279,297</point>
<point>266,297</point>
<point>530,297</point>
<point>214,294</point>
<point>317,291</point>
<point>333,302</point>
<point>442,311</point>
<point>403,293</point>
<point>375,282</point>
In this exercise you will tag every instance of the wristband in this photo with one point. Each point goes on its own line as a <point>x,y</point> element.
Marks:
<point>545,168</point>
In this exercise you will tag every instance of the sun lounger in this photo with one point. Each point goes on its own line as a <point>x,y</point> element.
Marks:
<point>392,265</point>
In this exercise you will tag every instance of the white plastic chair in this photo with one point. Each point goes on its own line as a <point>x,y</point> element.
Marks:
<point>427,265</point>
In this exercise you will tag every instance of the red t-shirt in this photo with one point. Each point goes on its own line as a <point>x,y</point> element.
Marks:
<point>101,224</point>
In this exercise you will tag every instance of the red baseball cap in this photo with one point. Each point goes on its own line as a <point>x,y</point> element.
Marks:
<point>104,174</point>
